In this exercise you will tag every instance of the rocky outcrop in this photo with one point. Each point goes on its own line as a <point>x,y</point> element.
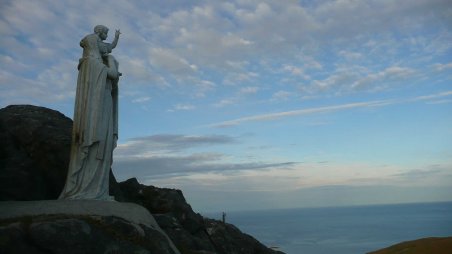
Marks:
<point>33,166</point>
<point>34,153</point>
<point>189,231</point>
<point>79,234</point>
<point>229,239</point>
<point>174,215</point>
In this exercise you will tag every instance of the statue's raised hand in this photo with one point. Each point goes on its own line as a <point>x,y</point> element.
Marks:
<point>117,33</point>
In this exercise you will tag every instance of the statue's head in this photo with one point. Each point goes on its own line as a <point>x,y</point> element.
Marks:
<point>102,31</point>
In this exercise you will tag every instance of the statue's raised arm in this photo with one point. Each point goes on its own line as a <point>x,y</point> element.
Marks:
<point>115,40</point>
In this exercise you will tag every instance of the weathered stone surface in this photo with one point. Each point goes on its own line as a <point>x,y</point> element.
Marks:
<point>78,235</point>
<point>33,166</point>
<point>14,239</point>
<point>34,153</point>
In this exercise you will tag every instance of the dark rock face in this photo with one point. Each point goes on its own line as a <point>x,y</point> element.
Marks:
<point>33,166</point>
<point>185,228</point>
<point>229,239</point>
<point>80,235</point>
<point>34,153</point>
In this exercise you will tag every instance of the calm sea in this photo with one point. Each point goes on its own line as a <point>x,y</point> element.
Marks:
<point>344,230</point>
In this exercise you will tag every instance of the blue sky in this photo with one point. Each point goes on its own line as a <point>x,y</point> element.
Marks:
<point>257,104</point>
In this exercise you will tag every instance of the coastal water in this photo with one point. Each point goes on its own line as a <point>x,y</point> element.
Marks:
<point>344,230</point>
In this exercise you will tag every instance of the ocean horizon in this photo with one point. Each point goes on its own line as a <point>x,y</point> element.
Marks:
<point>345,229</point>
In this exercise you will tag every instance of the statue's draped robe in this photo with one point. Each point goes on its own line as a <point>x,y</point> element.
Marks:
<point>95,126</point>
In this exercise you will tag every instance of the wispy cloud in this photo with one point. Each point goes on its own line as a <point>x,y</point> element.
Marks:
<point>275,116</point>
<point>249,90</point>
<point>357,78</point>
<point>168,144</point>
<point>239,96</point>
<point>142,99</point>
<point>419,173</point>
<point>281,95</point>
<point>388,75</point>
<point>442,67</point>
<point>327,109</point>
<point>430,96</point>
<point>225,102</point>
<point>182,107</point>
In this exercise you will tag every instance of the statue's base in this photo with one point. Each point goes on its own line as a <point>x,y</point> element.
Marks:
<point>127,211</point>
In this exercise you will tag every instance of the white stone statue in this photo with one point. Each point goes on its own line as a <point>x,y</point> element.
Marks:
<point>95,129</point>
